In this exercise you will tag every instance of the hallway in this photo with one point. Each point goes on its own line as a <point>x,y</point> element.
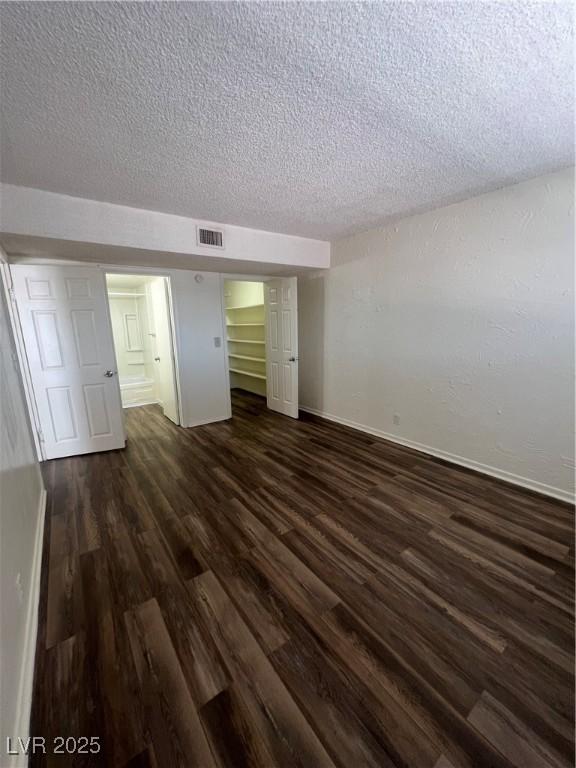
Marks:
<point>272,592</point>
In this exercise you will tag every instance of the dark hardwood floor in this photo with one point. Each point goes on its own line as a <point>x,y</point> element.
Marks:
<point>269,592</point>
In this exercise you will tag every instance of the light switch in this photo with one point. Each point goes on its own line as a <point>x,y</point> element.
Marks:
<point>217,341</point>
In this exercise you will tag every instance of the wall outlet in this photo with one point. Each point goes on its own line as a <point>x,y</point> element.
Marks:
<point>396,419</point>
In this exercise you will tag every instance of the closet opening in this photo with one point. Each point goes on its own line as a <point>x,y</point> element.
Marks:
<point>246,337</point>
<point>262,340</point>
<point>141,318</point>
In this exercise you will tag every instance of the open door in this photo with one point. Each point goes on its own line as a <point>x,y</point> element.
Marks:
<point>164,355</point>
<point>281,310</point>
<point>64,318</point>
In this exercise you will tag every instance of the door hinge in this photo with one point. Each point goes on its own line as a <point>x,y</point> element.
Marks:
<point>40,435</point>
<point>12,295</point>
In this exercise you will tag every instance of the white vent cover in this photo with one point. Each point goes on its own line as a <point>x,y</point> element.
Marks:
<point>210,237</point>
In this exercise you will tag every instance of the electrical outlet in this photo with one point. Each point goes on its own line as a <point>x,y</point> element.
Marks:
<point>396,419</point>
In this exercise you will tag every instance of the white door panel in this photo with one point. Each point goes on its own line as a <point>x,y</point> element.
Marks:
<point>64,318</point>
<point>281,305</point>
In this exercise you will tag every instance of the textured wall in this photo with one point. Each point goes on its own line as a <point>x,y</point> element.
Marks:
<point>459,321</point>
<point>20,546</point>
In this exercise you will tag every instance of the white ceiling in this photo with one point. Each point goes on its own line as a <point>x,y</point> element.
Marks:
<point>315,119</point>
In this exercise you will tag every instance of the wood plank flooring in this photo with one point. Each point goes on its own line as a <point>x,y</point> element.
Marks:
<point>269,592</point>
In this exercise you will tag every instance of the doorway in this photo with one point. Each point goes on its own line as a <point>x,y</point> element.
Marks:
<point>262,340</point>
<point>244,304</point>
<point>140,315</point>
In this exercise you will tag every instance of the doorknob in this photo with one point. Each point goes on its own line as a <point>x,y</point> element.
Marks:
<point>157,359</point>
<point>292,359</point>
<point>109,374</point>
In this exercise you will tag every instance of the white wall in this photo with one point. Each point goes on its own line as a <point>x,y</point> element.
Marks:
<point>43,214</point>
<point>21,525</point>
<point>460,322</point>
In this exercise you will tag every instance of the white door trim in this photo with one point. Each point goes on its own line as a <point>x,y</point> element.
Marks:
<point>173,335</point>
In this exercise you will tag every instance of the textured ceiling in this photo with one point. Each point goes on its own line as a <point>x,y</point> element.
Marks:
<point>315,119</point>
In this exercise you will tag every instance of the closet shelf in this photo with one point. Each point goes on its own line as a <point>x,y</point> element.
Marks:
<point>245,325</point>
<point>245,341</point>
<point>248,373</point>
<point>248,357</point>
<point>247,306</point>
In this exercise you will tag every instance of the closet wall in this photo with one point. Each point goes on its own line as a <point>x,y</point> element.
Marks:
<point>244,302</point>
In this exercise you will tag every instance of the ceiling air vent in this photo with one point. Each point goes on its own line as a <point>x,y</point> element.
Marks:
<point>213,238</point>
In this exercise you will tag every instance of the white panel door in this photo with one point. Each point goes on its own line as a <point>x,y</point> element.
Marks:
<point>68,339</point>
<point>164,358</point>
<point>281,303</point>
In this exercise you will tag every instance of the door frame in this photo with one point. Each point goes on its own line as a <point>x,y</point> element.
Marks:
<point>151,272</point>
<point>247,279</point>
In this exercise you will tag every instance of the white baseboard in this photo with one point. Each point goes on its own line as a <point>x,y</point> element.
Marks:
<point>500,474</point>
<point>24,704</point>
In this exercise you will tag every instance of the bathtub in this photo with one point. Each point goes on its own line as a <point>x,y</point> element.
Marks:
<point>137,390</point>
